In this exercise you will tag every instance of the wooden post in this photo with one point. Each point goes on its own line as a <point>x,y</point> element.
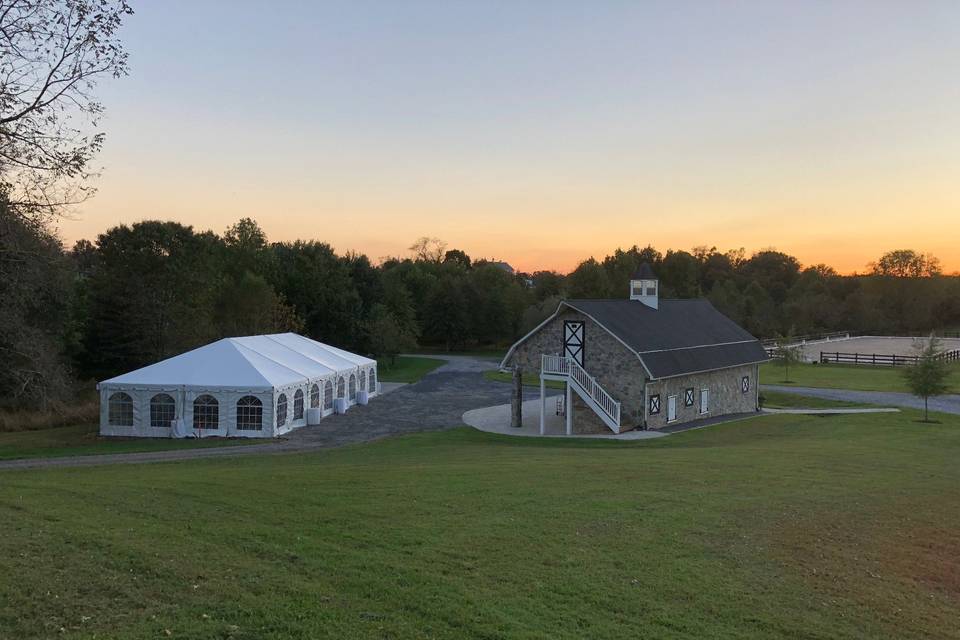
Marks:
<point>543,406</point>
<point>516,400</point>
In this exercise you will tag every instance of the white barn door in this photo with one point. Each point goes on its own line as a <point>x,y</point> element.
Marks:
<point>671,408</point>
<point>573,340</point>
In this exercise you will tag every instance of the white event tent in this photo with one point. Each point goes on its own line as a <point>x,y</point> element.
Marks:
<point>255,386</point>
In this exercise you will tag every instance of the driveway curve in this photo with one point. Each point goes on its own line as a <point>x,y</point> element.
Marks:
<point>944,404</point>
<point>435,403</point>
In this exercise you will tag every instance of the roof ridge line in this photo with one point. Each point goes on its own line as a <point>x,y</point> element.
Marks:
<point>270,337</point>
<point>273,360</point>
<point>700,346</point>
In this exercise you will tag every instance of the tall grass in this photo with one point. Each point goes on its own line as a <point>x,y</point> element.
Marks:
<point>32,419</point>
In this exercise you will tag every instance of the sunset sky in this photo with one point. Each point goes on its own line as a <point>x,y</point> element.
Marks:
<point>542,133</point>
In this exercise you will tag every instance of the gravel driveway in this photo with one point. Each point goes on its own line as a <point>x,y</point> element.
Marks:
<point>435,403</point>
<point>946,404</point>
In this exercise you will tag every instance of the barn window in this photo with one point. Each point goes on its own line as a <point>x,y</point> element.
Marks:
<point>249,414</point>
<point>162,410</point>
<point>745,384</point>
<point>340,388</point>
<point>120,410</point>
<point>353,387</point>
<point>298,405</point>
<point>328,395</point>
<point>373,381</point>
<point>315,396</point>
<point>688,397</point>
<point>655,404</point>
<point>206,412</point>
<point>282,410</point>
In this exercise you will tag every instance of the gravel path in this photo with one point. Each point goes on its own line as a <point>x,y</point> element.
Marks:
<point>435,403</point>
<point>946,404</point>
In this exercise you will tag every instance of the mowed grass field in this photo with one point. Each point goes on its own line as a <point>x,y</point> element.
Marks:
<point>774,527</point>
<point>840,376</point>
<point>408,369</point>
<point>529,379</point>
<point>85,439</point>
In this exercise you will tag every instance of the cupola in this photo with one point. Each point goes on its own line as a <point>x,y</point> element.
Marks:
<point>644,286</point>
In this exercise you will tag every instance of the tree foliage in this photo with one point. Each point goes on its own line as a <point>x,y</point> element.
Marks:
<point>906,263</point>
<point>52,52</point>
<point>788,353</point>
<point>928,377</point>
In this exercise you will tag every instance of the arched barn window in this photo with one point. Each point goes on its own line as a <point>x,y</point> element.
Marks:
<point>120,410</point>
<point>315,397</point>
<point>298,405</point>
<point>162,410</point>
<point>249,414</point>
<point>353,387</point>
<point>282,410</point>
<point>206,412</point>
<point>340,388</point>
<point>373,381</point>
<point>328,395</point>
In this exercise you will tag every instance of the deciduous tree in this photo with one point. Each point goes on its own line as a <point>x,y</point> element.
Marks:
<point>928,377</point>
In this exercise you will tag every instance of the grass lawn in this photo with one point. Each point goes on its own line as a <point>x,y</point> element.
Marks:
<point>490,353</point>
<point>847,376</point>
<point>780,400</point>
<point>529,379</point>
<point>406,369</point>
<point>79,440</point>
<point>778,526</point>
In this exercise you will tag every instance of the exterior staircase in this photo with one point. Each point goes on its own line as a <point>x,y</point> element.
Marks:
<point>586,386</point>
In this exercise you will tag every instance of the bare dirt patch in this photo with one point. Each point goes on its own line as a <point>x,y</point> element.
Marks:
<point>871,345</point>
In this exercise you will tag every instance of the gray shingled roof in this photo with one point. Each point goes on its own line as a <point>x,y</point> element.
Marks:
<point>645,272</point>
<point>682,336</point>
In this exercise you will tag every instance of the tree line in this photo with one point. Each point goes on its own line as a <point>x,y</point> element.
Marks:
<point>153,289</point>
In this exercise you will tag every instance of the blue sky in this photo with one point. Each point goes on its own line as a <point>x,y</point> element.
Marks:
<point>542,132</point>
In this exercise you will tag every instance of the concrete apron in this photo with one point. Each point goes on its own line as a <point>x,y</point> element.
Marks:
<point>497,420</point>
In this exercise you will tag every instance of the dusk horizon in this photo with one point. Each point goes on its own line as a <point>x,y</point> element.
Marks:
<point>541,138</point>
<point>405,251</point>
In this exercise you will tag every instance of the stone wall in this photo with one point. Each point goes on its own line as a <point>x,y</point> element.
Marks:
<point>726,394</point>
<point>615,367</point>
<point>585,420</point>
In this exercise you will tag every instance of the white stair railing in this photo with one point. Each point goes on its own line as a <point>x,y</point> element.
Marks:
<point>559,365</point>
<point>555,365</point>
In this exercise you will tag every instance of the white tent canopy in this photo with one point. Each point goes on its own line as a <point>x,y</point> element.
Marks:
<point>254,386</point>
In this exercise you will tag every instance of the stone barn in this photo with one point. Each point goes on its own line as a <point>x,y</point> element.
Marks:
<point>641,362</point>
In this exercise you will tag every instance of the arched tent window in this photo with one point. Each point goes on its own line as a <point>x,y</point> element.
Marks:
<point>373,381</point>
<point>328,395</point>
<point>249,414</point>
<point>298,405</point>
<point>206,412</point>
<point>353,387</point>
<point>163,410</point>
<point>340,388</point>
<point>282,410</point>
<point>315,396</point>
<point>363,381</point>
<point>120,410</point>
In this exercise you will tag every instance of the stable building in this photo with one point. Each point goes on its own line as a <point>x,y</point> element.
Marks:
<point>253,387</point>
<point>641,362</point>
